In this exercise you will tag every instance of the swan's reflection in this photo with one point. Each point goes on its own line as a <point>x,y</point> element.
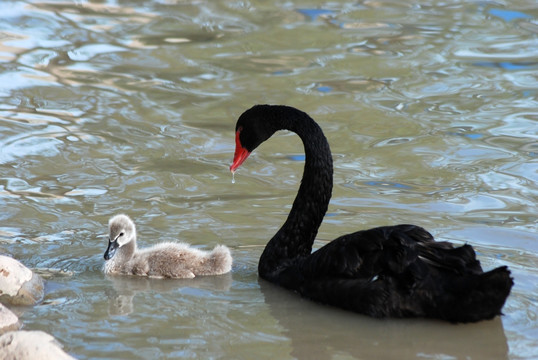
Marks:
<point>322,332</point>
<point>124,288</point>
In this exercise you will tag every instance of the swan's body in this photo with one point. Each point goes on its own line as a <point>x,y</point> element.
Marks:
<point>169,260</point>
<point>390,271</point>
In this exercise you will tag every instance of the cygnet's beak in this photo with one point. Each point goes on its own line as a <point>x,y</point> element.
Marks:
<point>111,249</point>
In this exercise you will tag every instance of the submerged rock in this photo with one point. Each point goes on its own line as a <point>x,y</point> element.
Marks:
<point>8,320</point>
<point>31,345</point>
<point>18,284</point>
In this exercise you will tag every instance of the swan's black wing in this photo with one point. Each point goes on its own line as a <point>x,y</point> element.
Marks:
<point>387,250</point>
<point>398,271</point>
<point>363,255</point>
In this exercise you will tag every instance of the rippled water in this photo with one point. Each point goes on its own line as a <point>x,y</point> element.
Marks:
<point>130,106</point>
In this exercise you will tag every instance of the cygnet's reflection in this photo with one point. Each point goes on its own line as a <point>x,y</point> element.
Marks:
<point>124,288</point>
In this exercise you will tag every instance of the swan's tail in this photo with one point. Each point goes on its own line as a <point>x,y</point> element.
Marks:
<point>220,261</point>
<point>479,296</point>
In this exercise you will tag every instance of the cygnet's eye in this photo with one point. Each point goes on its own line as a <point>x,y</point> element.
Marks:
<point>121,234</point>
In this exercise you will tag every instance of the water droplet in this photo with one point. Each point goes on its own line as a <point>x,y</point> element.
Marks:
<point>233,177</point>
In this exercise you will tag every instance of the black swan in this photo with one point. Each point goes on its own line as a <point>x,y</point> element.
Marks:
<point>388,271</point>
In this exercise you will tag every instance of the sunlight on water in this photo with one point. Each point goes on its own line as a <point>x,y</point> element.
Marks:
<point>109,107</point>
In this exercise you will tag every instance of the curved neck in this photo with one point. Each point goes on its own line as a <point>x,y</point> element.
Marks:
<point>295,238</point>
<point>125,252</point>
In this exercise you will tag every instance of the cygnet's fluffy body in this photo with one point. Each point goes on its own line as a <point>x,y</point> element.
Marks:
<point>169,260</point>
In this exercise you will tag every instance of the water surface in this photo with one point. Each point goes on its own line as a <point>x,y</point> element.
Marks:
<point>130,106</point>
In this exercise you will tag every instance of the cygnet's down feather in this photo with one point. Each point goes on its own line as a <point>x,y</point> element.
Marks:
<point>168,260</point>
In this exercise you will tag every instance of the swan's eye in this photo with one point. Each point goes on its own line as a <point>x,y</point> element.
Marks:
<point>121,234</point>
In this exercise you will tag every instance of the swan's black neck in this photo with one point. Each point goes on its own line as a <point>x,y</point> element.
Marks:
<point>295,238</point>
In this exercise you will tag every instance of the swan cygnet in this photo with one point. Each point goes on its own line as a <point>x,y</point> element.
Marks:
<point>164,260</point>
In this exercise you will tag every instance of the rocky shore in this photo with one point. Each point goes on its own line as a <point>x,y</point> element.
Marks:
<point>20,286</point>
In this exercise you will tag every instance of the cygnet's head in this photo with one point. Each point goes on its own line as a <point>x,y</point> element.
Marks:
<point>121,230</point>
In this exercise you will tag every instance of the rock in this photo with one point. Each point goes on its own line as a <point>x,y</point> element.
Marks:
<point>8,320</point>
<point>18,284</point>
<point>31,345</point>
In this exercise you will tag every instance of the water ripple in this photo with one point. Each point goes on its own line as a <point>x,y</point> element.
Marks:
<point>430,110</point>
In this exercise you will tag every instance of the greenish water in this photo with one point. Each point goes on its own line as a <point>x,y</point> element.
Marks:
<point>130,106</point>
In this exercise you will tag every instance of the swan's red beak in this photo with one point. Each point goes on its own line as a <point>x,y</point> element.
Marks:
<point>241,154</point>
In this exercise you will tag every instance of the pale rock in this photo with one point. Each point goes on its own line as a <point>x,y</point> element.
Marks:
<point>8,320</point>
<point>31,345</point>
<point>18,284</point>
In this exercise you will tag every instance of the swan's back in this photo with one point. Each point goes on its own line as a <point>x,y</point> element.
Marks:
<point>400,271</point>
